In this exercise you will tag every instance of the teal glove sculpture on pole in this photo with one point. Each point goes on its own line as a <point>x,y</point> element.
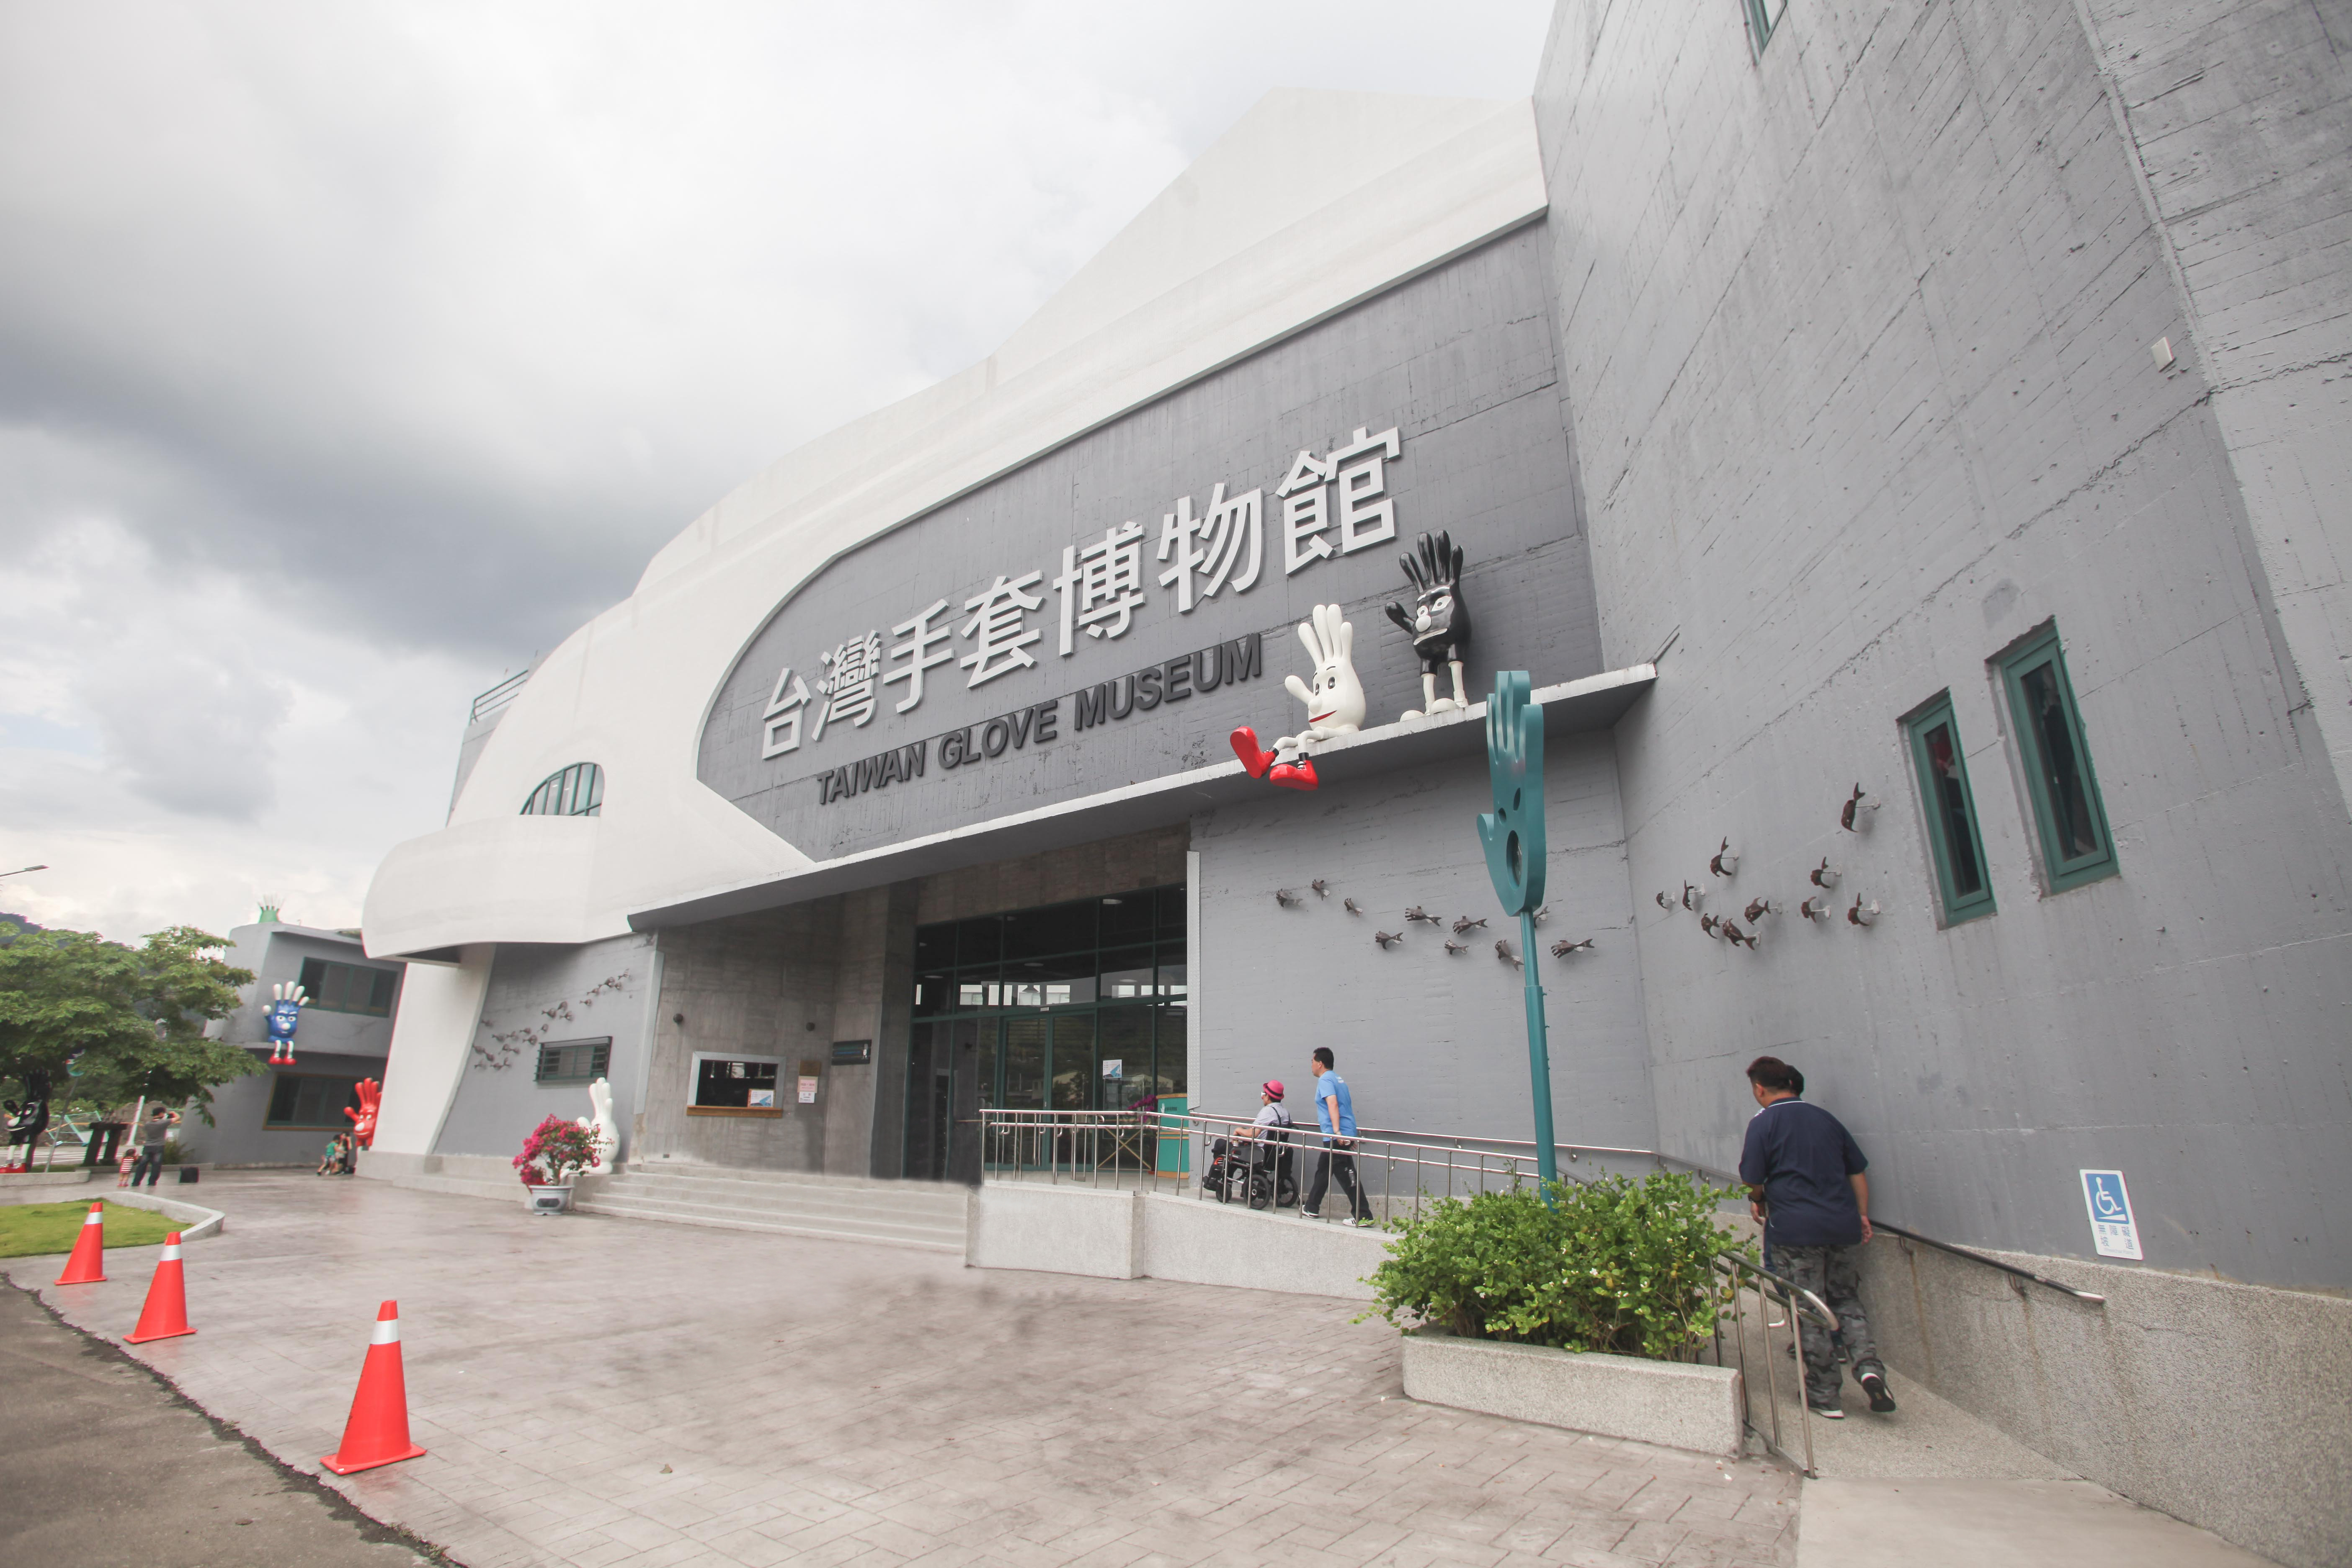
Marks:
<point>1512,835</point>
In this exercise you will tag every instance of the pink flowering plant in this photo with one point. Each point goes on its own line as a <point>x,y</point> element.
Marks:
<point>556,1152</point>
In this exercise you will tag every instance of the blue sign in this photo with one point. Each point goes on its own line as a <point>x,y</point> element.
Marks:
<point>2112,1230</point>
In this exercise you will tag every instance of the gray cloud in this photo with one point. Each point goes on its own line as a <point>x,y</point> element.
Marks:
<point>422,326</point>
<point>196,734</point>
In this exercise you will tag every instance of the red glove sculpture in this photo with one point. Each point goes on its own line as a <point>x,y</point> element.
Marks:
<point>371,1093</point>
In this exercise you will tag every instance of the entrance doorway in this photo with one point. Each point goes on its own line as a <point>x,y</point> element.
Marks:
<point>1073,1006</point>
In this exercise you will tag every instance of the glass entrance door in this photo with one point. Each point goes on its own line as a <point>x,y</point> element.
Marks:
<point>1076,1007</point>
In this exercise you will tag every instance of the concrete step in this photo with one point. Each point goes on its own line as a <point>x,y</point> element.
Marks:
<point>874,1215</point>
<point>921,1232</point>
<point>947,1208</point>
<point>665,1170</point>
<point>923,1215</point>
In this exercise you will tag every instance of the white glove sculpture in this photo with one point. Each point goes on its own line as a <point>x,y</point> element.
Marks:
<point>1334,704</point>
<point>608,1132</point>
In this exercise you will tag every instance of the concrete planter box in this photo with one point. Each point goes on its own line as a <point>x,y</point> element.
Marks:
<point>1672,1404</point>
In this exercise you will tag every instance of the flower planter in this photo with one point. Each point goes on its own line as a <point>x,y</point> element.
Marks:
<point>1676,1404</point>
<point>548,1199</point>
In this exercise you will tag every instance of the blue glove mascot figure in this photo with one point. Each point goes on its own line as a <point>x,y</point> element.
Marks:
<point>285,1015</point>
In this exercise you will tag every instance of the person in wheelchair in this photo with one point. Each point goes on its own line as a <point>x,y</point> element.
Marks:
<point>1258,1159</point>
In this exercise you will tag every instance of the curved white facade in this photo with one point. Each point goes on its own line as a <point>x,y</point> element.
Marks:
<point>1229,259</point>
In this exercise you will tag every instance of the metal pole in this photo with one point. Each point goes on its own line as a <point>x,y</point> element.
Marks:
<point>1539,1056</point>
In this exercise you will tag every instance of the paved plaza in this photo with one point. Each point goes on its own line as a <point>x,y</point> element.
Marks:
<point>603,1392</point>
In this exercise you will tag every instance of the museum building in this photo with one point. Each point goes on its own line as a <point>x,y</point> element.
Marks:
<point>1909,510</point>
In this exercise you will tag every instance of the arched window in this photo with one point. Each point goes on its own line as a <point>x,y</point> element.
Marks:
<point>577,790</point>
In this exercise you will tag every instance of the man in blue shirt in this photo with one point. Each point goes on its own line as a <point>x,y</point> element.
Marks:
<point>1806,1186</point>
<point>1336,1112</point>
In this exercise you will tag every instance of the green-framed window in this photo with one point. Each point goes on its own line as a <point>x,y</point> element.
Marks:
<point>575,791</point>
<point>573,1062</point>
<point>1951,810</point>
<point>1763,19</point>
<point>2076,847</point>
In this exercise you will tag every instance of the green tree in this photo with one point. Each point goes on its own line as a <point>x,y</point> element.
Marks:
<point>113,1022</point>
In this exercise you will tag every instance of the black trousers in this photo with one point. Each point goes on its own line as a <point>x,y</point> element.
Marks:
<point>150,1164</point>
<point>1337,1164</point>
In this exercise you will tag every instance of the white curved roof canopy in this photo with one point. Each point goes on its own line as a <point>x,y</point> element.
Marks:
<point>1312,203</point>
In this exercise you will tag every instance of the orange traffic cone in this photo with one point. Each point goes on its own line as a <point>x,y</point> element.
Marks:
<point>377,1432</point>
<point>167,1312</point>
<point>88,1264</point>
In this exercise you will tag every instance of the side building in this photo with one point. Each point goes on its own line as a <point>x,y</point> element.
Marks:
<point>1903,447</point>
<point>284,1114</point>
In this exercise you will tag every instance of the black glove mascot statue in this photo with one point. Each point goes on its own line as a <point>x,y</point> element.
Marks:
<point>1439,622</point>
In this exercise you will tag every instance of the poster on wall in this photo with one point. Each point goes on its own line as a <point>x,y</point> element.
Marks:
<point>2112,1230</point>
<point>760,1098</point>
<point>808,1091</point>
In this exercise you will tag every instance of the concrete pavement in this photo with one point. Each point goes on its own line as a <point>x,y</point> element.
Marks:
<point>601,1391</point>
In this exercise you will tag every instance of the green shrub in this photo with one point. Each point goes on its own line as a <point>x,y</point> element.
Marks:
<point>1612,1265</point>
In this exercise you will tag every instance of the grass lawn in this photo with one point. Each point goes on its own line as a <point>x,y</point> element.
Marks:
<point>29,1228</point>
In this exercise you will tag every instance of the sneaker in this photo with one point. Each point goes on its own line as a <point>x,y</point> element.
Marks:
<point>1367,1221</point>
<point>1826,1412</point>
<point>1875,1387</point>
<point>1305,1213</point>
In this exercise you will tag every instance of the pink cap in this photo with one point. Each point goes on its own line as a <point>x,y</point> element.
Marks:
<point>1273,1086</point>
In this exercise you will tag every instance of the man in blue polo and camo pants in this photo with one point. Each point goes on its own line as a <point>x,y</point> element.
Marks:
<point>1806,1187</point>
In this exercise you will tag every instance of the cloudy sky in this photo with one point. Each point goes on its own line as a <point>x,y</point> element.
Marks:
<point>350,356</point>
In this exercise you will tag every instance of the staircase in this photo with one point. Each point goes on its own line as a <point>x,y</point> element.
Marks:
<point>925,1215</point>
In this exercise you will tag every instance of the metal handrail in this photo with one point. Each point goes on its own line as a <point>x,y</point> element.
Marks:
<point>1731,1179</point>
<point>1894,1229</point>
<point>497,696</point>
<point>1751,1277</point>
<point>1096,1145</point>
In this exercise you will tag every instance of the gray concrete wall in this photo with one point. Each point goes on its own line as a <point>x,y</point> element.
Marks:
<point>542,994</point>
<point>2239,119</point>
<point>764,984</point>
<point>873,1000</point>
<point>1427,1040</point>
<point>1460,361</point>
<point>2222,1403</point>
<point>1856,339</point>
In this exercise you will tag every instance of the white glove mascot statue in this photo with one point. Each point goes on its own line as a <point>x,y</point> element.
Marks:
<point>608,1132</point>
<point>1334,704</point>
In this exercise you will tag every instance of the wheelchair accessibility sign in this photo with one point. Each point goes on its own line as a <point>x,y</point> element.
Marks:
<point>2113,1231</point>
